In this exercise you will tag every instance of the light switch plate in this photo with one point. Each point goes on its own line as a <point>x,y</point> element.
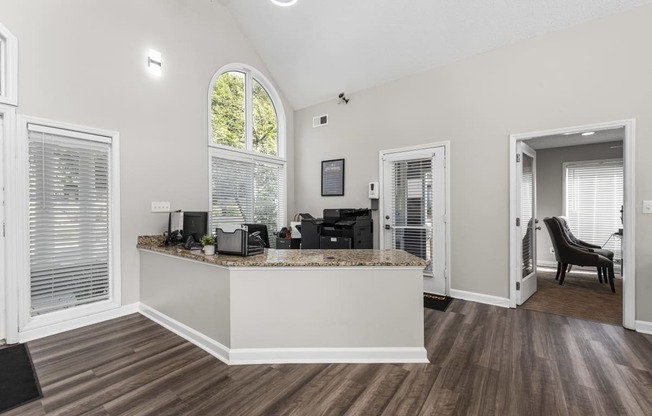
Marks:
<point>647,207</point>
<point>160,207</point>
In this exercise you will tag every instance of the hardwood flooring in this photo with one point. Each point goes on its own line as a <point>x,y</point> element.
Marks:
<point>581,296</point>
<point>485,360</point>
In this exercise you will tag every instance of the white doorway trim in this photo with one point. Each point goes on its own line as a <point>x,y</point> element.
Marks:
<point>446,145</point>
<point>629,210</point>
<point>8,300</point>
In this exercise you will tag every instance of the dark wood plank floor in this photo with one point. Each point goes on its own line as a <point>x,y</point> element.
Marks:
<point>581,296</point>
<point>485,360</point>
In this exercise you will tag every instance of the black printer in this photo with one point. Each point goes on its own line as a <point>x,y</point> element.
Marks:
<point>338,229</point>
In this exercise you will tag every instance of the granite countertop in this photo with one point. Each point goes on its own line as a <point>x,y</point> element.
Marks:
<point>290,258</point>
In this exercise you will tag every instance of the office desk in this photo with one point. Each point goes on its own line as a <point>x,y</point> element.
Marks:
<point>288,306</point>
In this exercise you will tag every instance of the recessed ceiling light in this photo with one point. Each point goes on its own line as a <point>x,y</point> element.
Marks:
<point>588,133</point>
<point>284,3</point>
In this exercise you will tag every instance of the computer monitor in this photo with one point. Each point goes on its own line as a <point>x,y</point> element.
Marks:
<point>262,229</point>
<point>195,224</point>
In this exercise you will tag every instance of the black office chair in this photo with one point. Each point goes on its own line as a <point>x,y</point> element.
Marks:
<point>591,248</point>
<point>568,254</point>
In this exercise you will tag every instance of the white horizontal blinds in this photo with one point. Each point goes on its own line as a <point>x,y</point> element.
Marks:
<point>69,219</point>
<point>269,191</point>
<point>594,197</point>
<point>412,207</point>
<point>246,190</point>
<point>527,207</point>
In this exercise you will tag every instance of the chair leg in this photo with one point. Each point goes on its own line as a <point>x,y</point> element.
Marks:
<point>600,274</point>
<point>611,279</point>
<point>558,271</point>
<point>570,267</point>
<point>563,274</point>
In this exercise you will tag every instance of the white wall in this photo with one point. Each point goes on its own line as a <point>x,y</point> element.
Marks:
<point>84,62</point>
<point>595,72</point>
<point>550,181</point>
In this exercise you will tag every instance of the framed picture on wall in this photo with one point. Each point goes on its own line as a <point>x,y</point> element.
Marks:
<point>332,177</point>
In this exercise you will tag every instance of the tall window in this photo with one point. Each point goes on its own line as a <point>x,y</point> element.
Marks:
<point>8,67</point>
<point>247,164</point>
<point>70,218</point>
<point>594,199</point>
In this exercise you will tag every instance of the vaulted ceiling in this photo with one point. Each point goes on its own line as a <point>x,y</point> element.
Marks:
<point>316,49</point>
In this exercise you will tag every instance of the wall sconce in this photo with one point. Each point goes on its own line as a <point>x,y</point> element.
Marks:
<point>154,62</point>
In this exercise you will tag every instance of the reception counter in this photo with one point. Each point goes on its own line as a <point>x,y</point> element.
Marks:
<point>288,306</point>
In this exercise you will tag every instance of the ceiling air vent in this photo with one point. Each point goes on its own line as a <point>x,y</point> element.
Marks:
<point>320,120</point>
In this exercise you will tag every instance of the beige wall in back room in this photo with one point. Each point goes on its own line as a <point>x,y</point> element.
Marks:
<point>84,62</point>
<point>550,183</point>
<point>594,72</point>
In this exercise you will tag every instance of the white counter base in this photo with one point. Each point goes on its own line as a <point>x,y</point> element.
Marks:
<point>265,315</point>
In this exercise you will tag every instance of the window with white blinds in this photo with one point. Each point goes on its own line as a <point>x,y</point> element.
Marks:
<point>247,190</point>
<point>412,207</point>
<point>69,218</point>
<point>594,198</point>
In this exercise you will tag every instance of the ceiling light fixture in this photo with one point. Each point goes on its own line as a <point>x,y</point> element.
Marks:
<point>588,133</point>
<point>284,3</point>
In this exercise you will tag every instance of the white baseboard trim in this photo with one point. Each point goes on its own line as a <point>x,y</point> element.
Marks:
<point>96,318</point>
<point>547,263</point>
<point>214,348</point>
<point>480,298</point>
<point>328,355</point>
<point>240,356</point>
<point>644,327</point>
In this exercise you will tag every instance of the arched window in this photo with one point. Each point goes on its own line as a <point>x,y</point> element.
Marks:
<point>247,165</point>
<point>8,67</point>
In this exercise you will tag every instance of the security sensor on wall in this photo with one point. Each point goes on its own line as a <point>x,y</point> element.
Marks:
<point>374,193</point>
<point>343,99</point>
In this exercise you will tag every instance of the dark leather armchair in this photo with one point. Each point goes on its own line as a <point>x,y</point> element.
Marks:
<point>568,254</point>
<point>591,248</point>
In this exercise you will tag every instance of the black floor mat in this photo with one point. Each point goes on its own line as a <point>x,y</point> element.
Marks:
<point>18,382</point>
<point>437,302</point>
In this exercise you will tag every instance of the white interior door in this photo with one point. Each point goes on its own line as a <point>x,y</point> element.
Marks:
<point>413,209</point>
<point>526,222</point>
<point>2,234</point>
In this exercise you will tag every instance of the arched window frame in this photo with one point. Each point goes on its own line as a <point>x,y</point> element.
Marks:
<point>8,67</point>
<point>251,74</point>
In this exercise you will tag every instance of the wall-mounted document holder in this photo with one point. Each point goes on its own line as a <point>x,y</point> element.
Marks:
<point>235,240</point>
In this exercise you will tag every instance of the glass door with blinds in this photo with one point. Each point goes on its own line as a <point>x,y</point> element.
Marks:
<point>414,209</point>
<point>71,222</point>
<point>526,222</point>
<point>593,202</point>
<point>247,189</point>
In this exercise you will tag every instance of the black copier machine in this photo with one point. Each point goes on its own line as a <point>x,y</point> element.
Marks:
<point>340,228</point>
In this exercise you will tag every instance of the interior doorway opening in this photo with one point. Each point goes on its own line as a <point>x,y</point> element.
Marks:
<point>584,175</point>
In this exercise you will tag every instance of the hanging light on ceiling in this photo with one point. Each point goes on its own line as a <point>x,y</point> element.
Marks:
<point>284,3</point>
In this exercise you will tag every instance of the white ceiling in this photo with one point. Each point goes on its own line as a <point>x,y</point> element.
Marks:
<point>319,48</point>
<point>563,140</point>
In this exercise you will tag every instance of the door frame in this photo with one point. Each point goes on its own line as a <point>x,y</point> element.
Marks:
<point>8,298</point>
<point>629,209</point>
<point>447,164</point>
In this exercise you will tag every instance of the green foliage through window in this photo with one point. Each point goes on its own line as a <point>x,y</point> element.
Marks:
<point>230,113</point>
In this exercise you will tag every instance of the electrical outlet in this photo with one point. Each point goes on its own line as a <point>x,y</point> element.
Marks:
<point>647,207</point>
<point>552,250</point>
<point>160,207</point>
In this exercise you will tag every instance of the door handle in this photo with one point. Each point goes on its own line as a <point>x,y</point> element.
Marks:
<point>538,228</point>
<point>388,227</point>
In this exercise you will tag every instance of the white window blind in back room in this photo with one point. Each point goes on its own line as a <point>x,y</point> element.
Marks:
<point>247,190</point>
<point>69,218</point>
<point>594,197</point>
